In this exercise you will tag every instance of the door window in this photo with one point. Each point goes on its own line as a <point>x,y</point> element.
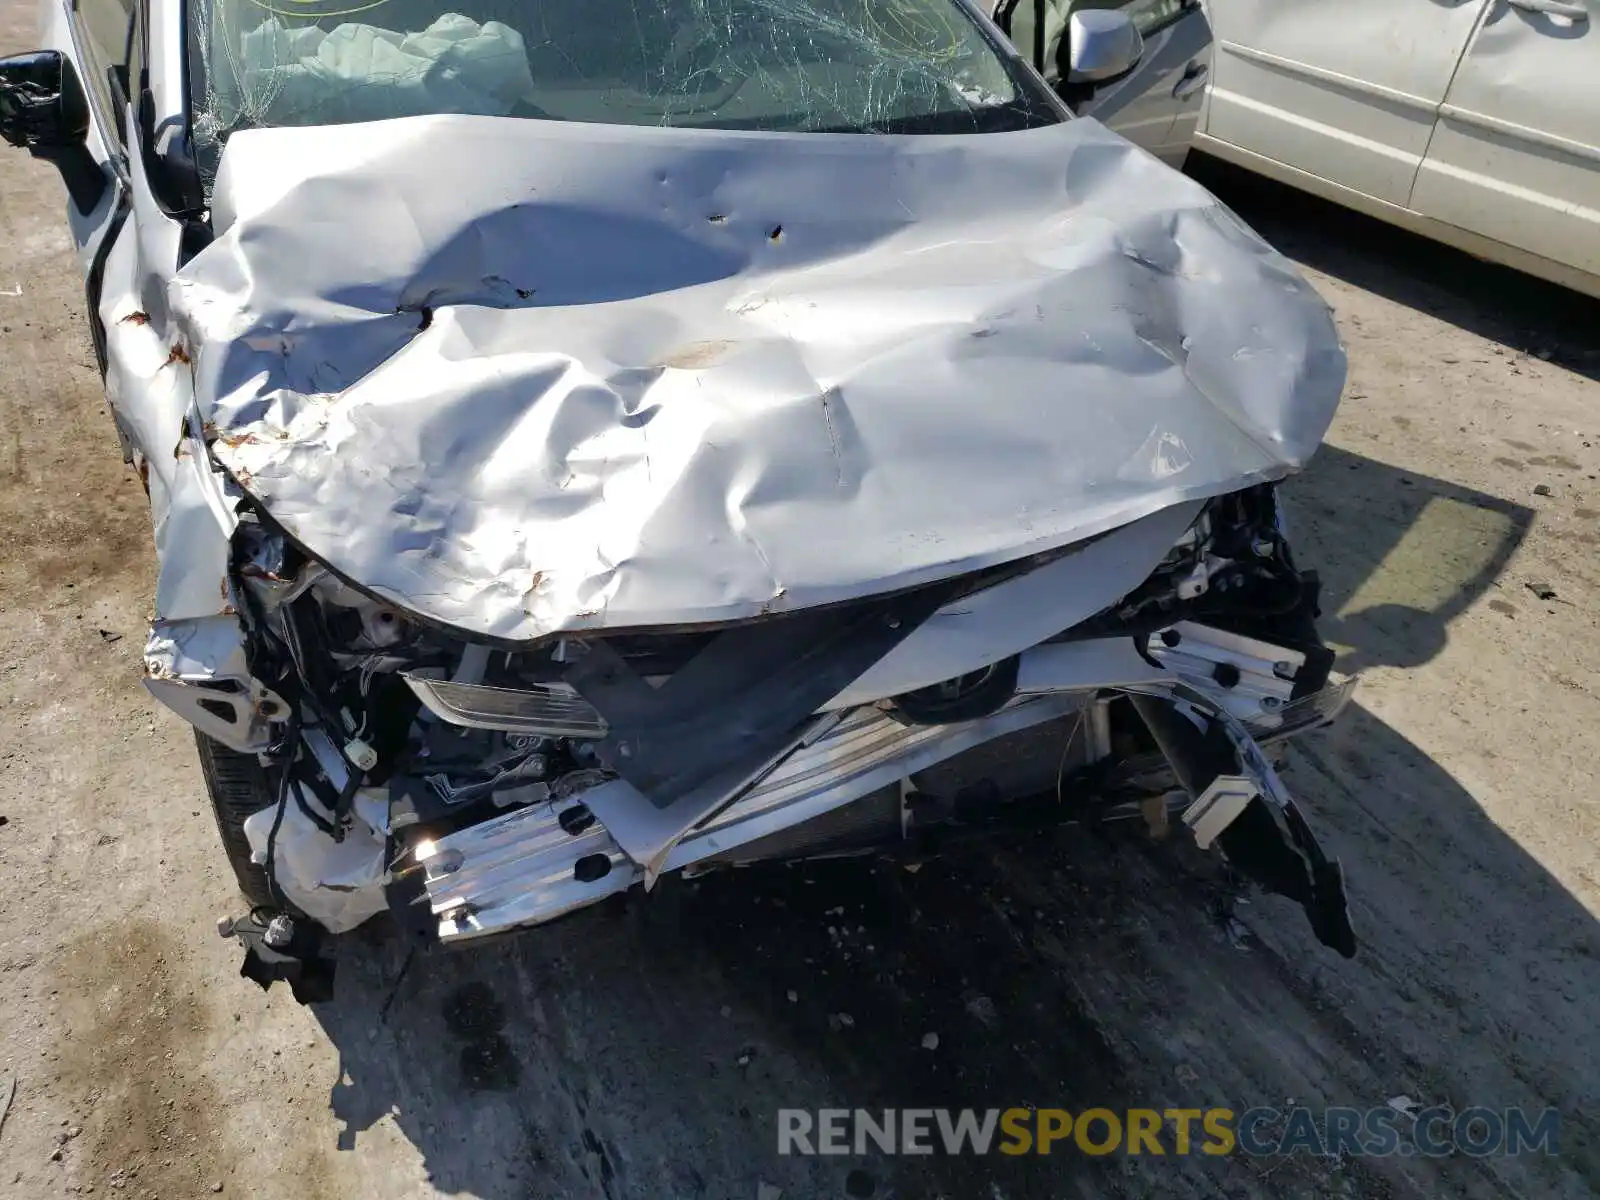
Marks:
<point>1151,16</point>
<point>106,37</point>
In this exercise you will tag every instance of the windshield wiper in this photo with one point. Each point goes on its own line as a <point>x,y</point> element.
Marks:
<point>1009,117</point>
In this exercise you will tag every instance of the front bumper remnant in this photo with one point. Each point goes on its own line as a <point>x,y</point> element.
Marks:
<point>1240,803</point>
<point>1180,714</point>
<point>536,863</point>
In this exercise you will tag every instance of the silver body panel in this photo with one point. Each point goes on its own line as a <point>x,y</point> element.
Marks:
<point>751,372</point>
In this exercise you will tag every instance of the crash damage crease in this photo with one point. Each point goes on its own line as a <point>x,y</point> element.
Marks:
<point>684,422</point>
<point>580,435</point>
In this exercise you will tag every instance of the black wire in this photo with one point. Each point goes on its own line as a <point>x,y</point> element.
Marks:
<point>292,740</point>
<point>327,827</point>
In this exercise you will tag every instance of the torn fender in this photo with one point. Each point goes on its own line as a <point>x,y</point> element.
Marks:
<point>150,389</point>
<point>525,377</point>
<point>198,668</point>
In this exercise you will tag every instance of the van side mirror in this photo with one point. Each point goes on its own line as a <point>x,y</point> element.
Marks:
<point>1102,43</point>
<point>43,110</point>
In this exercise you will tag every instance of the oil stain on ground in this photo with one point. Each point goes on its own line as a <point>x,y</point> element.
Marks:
<point>132,1056</point>
<point>474,1016</point>
<point>99,528</point>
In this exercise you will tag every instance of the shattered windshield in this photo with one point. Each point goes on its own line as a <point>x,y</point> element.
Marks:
<point>860,66</point>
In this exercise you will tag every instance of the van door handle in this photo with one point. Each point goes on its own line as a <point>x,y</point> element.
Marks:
<point>1554,8</point>
<point>1193,80</point>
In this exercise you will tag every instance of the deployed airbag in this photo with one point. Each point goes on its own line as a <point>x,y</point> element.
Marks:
<point>288,74</point>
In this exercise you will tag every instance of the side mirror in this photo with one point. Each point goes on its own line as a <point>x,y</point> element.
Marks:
<point>1102,43</point>
<point>43,109</point>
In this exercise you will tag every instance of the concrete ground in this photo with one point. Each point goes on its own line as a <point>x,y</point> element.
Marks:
<point>643,1051</point>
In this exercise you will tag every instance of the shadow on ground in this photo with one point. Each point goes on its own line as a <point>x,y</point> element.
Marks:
<point>1350,516</point>
<point>645,1049</point>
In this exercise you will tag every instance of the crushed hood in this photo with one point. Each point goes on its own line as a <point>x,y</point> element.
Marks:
<point>525,377</point>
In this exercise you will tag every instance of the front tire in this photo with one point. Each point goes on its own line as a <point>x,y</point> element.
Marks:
<point>239,786</point>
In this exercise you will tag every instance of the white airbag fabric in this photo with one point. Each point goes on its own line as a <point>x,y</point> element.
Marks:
<point>525,377</point>
<point>291,75</point>
<point>337,884</point>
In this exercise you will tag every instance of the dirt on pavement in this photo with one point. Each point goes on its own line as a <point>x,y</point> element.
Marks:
<point>644,1049</point>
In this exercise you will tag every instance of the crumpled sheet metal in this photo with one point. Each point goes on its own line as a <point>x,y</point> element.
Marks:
<point>526,377</point>
<point>149,388</point>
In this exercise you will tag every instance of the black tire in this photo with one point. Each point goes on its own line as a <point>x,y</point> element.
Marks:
<point>239,786</point>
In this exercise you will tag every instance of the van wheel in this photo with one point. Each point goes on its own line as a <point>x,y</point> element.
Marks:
<point>239,786</point>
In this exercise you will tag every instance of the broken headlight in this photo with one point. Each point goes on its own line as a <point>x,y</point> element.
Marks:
<point>547,709</point>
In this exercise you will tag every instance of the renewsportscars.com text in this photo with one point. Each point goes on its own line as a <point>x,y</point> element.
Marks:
<point>1374,1132</point>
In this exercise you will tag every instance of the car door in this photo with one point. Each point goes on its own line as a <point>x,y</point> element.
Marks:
<point>1515,154</point>
<point>1157,104</point>
<point>99,36</point>
<point>1346,90</point>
